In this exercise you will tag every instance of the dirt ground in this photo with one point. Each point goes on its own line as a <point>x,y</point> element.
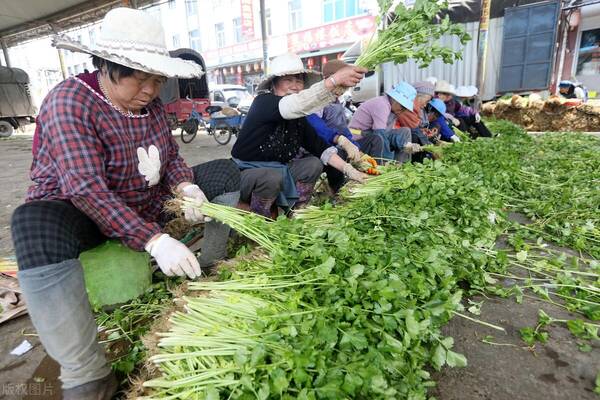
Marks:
<point>506,370</point>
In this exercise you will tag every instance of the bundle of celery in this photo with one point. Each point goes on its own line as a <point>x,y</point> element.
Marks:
<point>412,33</point>
<point>348,301</point>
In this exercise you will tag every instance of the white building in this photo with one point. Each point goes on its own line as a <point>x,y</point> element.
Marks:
<point>227,33</point>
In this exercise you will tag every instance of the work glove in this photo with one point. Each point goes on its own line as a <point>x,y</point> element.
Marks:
<point>412,148</point>
<point>350,148</point>
<point>353,174</point>
<point>455,138</point>
<point>149,164</point>
<point>477,118</point>
<point>173,257</point>
<point>367,164</point>
<point>192,214</point>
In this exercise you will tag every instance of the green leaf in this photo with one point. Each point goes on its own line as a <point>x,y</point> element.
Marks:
<point>357,270</point>
<point>412,327</point>
<point>522,255</point>
<point>455,359</point>
<point>355,338</point>
<point>279,381</point>
<point>439,357</point>
<point>212,393</point>
<point>325,268</point>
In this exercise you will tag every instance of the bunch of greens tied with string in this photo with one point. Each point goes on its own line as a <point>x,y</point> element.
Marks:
<point>412,33</point>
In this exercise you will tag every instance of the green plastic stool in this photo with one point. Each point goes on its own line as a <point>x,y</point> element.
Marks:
<point>114,274</point>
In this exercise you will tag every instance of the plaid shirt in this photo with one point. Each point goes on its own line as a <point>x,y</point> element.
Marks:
<point>86,153</point>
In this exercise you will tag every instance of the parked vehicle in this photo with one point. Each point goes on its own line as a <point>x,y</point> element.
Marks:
<point>181,96</point>
<point>16,106</point>
<point>234,96</point>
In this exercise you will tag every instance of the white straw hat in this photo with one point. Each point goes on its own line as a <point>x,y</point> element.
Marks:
<point>444,87</point>
<point>288,64</point>
<point>466,91</point>
<point>135,39</point>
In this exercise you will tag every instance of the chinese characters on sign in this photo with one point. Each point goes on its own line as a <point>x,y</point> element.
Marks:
<point>331,35</point>
<point>247,19</point>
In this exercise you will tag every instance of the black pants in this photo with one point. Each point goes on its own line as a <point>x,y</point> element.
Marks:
<point>268,182</point>
<point>372,145</point>
<point>51,231</point>
<point>473,128</point>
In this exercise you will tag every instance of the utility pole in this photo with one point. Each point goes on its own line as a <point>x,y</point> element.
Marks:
<point>263,31</point>
<point>484,23</point>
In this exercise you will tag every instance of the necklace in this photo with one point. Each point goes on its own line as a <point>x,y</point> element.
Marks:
<point>104,93</point>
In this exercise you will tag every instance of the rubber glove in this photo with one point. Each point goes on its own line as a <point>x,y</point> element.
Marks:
<point>455,138</point>
<point>352,173</point>
<point>350,148</point>
<point>173,257</point>
<point>192,214</point>
<point>477,118</point>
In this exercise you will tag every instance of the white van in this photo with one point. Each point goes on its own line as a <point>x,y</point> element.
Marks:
<point>235,96</point>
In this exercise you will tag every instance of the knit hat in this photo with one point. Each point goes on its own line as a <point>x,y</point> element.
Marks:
<point>424,88</point>
<point>331,67</point>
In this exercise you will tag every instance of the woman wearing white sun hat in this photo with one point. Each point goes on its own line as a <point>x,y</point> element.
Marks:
<point>280,154</point>
<point>465,118</point>
<point>104,163</point>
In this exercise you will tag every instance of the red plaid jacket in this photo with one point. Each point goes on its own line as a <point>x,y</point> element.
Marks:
<point>86,152</point>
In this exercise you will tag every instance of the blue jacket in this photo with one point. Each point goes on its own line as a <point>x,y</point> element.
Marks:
<point>325,132</point>
<point>445,131</point>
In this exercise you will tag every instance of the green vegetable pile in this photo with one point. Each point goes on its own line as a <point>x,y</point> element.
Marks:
<point>411,34</point>
<point>348,301</point>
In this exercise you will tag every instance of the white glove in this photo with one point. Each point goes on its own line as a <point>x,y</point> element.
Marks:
<point>173,257</point>
<point>477,118</point>
<point>352,173</point>
<point>149,164</point>
<point>455,138</point>
<point>192,214</point>
<point>350,148</point>
<point>412,148</point>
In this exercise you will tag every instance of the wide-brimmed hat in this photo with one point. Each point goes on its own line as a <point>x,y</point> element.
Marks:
<point>466,91</point>
<point>404,94</point>
<point>444,87</point>
<point>135,39</point>
<point>288,64</point>
<point>438,106</point>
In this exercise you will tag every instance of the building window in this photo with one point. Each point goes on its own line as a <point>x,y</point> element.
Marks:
<point>172,4</point>
<point>295,12</point>
<point>176,41</point>
<point>220,34</point>
<point>588,62</point>
<point>92,34</point>
<point>338,9</point>
<point>268,21</point>
<point>195,40</point>
<point>237,30</point>
<point>191,7</point>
